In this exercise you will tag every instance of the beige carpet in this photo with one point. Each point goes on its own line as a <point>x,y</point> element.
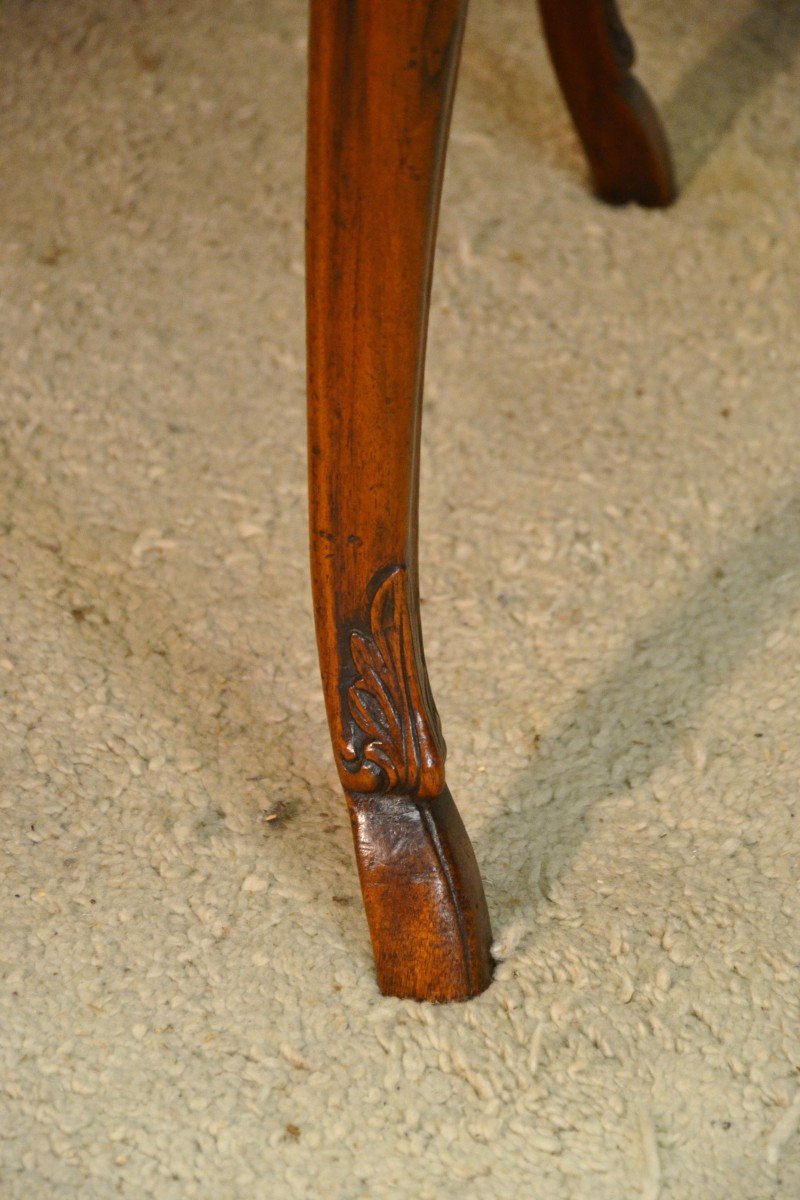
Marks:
<point>611,572</point>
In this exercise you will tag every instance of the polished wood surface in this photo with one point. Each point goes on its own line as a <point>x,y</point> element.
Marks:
<point>381,80</point>
<point>380,94</point>
<point>620,129</point>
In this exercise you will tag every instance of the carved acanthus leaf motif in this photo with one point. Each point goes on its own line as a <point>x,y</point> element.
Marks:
<point>390,702</point>
<point>618,35</point>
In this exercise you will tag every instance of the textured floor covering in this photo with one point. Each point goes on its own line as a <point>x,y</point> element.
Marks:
<point>611,572</point>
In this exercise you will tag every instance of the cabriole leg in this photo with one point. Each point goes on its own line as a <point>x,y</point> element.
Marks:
<point>620,130</point>
<point>380,93</point>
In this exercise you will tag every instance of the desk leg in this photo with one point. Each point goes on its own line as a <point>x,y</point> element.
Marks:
<point>621,133</point>
<point>380,92</point>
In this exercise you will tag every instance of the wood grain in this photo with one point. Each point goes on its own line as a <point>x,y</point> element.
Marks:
<point>381,83</point>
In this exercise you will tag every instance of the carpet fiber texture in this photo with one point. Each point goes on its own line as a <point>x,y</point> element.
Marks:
<point>610,563</point>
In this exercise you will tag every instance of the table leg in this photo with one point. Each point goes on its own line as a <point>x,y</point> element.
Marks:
<point>619,127</point>
<point>380,93</point>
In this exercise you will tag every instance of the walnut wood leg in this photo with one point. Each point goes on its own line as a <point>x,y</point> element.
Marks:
<point>621,133</point>
<point>380,93</point>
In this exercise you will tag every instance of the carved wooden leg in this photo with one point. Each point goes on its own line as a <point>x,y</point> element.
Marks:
<point>615,119</point>
<point>380,93</point>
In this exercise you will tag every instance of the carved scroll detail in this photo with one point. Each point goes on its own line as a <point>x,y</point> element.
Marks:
<point>618,36</point>
<point>397,743</point>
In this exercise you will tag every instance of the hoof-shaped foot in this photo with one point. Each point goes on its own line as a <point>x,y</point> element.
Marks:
<point>423,896</point>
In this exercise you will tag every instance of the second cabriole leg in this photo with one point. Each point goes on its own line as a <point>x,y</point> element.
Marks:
<point>380,94</point>
<point>620,129</point>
